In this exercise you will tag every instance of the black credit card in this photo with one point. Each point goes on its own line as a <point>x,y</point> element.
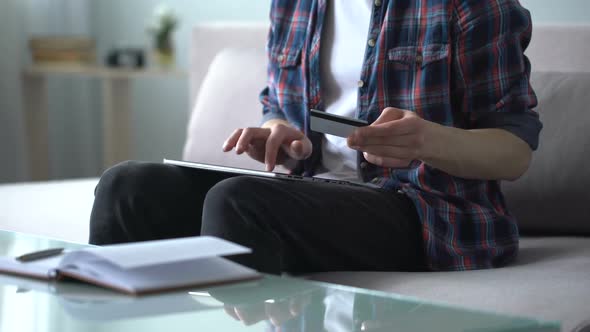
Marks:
<point>336,125</point>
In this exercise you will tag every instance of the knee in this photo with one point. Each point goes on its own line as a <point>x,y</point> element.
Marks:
<point>115,205</point>
<point>122,180</point>
<point>236,210</point>
<point>234,201</point>
<point>232,193</point>
<point>224,190</point>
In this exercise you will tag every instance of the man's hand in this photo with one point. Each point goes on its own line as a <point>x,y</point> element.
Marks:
<point>396,139</point>
<point>273,144</point>
<point>277,312</point>
<point>399,137</point>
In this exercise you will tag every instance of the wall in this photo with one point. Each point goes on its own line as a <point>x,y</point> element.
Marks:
<point>11,138</point>
<point>72,129</point>
<point>559,11</point>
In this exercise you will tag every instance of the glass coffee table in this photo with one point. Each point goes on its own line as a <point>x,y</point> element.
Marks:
<point>269,304</point>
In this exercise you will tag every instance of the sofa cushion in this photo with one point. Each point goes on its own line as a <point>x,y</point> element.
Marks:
<point>548,281</point>
<point>552,197</point>
<point>55,209</point>
<point>228,100</point>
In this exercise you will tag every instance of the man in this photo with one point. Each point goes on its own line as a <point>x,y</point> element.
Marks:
<point>445,86</point>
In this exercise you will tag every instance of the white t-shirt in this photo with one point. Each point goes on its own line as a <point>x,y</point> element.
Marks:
<point>344,40</point>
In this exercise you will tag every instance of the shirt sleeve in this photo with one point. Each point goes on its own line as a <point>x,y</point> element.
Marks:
<point>525,125</point>
<point>492,74</point>
<point>268,96</point>
<point>270,107</point>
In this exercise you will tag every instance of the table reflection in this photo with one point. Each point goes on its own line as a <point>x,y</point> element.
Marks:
<point>342,309</point>
<point>271,304</point>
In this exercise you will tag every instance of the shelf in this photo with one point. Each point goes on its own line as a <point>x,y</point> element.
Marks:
<point>101,72</point>
<point>116,109</point>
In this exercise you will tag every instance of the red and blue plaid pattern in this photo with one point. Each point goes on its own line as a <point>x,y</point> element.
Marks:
<point>450,61</point>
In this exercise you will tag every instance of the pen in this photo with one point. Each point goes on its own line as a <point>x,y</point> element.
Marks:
<point>38,255</point>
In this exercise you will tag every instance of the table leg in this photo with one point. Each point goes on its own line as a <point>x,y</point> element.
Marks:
<point>36,122</point>
<point>116,121</point>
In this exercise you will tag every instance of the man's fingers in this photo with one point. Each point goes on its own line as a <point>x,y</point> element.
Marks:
<point>299,149</point>
<point>278,313</point>
<point>231,311</point>
<point>391,152</point>
<point>257,151</point>
<point>377,326</point>
<point>295,149</point>
<point>265,144</point>
<point>250,315</point>
<point>273,144</point>
<point>244,141</point>
<point>284,137</point>
<point>390,114</point>
<point>399,141</point>
<point>298,304</point>
<point>248,135</point>
<point>231,142</point>
<point>392,128</point>
<point>387,162</point>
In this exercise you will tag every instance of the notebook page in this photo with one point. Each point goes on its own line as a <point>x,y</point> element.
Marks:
<point>154,278</point>
<point>40,269</point>
<point>134,255</point>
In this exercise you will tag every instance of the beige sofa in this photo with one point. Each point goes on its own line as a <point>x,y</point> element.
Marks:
<point>551,279</point>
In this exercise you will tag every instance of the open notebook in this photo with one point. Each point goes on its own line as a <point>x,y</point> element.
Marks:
<point>145,267</point>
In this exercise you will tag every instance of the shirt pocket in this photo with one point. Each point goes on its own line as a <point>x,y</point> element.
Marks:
<point>287,74</point>
<point>284,57</point>
<point>421,72</point>
<point>417,58</point>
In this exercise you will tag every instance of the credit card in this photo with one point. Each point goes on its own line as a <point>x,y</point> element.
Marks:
<point>336,125</point>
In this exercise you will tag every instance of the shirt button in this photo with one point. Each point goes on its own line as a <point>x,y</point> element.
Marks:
<point>361,84</point>
<point>372,42</point>
<point>377,3</point>
<point>280,58</point>
<point>419,59</point>
<point>364,165</point>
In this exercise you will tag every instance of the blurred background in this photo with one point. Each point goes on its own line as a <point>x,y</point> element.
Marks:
<point>78,60</point>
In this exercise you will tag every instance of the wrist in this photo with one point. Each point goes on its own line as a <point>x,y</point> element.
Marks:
<point>276,122</point>
<point>434,141</point>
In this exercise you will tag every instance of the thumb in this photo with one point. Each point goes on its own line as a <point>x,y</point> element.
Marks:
<point>390,114</point>
<point>299,149</point>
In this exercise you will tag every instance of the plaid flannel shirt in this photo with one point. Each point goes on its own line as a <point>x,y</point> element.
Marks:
<point>458,63</point>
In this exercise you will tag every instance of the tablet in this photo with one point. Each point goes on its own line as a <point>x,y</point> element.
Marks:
<point>242,171</point>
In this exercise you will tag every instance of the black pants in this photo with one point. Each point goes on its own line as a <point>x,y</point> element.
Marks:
<point>295,227</point>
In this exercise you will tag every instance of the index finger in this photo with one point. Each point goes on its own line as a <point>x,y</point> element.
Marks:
<point>376,326</point>
<point>250,315</point>
<point>278,313</point>
<point>232,141</point>
<point>231,311</point>
<point>391,128</point>
<point>250,134</point>
<point>273,144</point>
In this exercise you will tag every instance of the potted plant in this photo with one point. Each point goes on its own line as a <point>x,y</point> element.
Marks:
<point>161,28</point>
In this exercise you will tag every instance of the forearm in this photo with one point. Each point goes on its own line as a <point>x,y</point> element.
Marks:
<point>486,154</point>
